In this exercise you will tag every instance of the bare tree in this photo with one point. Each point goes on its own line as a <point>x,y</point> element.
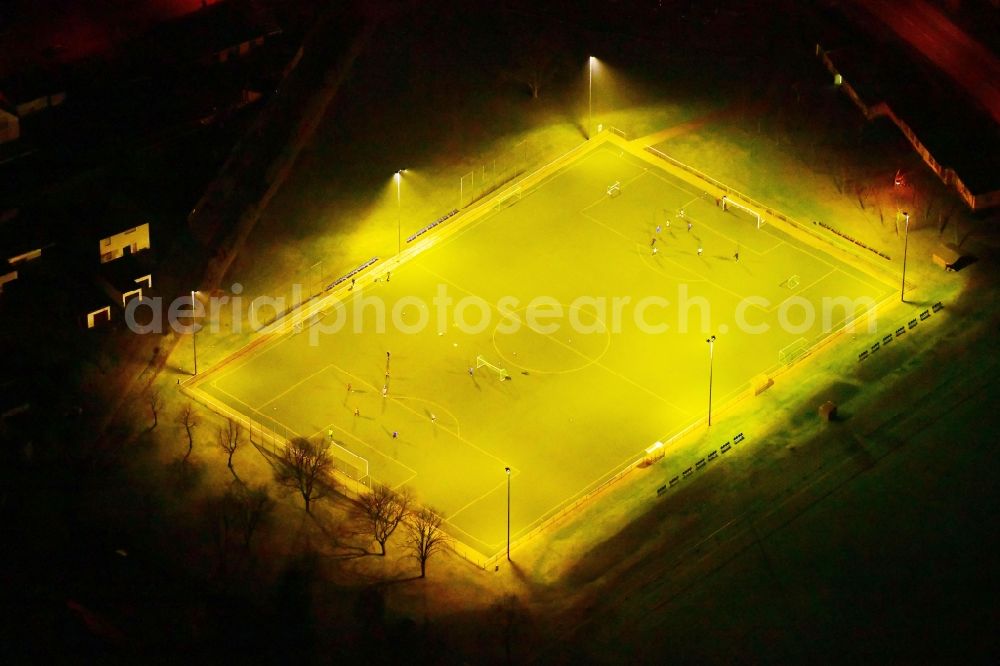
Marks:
<point>249,508</point>
<point>536,59</point>
<point>303,466</point>
<point>424,536</point>
<point>382,510</point>
<point>233,519</point>
<point>230,436</point>
<point>512,616</point>
<point>155,402</point>
<point>188,417</point>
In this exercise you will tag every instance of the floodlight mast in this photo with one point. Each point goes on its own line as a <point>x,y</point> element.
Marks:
<point>507,470</point>
<point>399,211</point>
<point>906,241</point>
<point>711,359</point>
<point>590,98</point>
<point>194,333</point>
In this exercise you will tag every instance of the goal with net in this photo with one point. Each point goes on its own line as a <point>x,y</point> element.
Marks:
<point>501,373</point>
<point>347,462</point>
<point>738,208</point>
<point>794,351</point>
<point>508,197</point>
<point>615,188</point>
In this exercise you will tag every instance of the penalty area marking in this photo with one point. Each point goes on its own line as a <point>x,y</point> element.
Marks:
<point>588,360</point>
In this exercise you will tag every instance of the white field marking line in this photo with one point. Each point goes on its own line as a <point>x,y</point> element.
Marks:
<point>260,414</point>
<point>594,362</point>
<point>804,289</point>
<point>279,338</point>
<point>766,229</point>
<point>673,182</point>
<point>253,410</point>
<point>771,249</point>
<point>606,226</point>
<point>599,200</point>
<point>690,202</point>
<point>804,247</point>
<point>492,490</point>
<point>400,402</point>
<point>647,258</point>
<point>489,215</point>
<point>804,250</point>
<point>698,198</point>
<point>738,296</point>
<point>298,383</point>
<point>581,494</point>
<point>474,538</point>
<point>589,360</point>
<point>458,429</point>
<point>639,245</point>
<point>721,287</point>
<point>332,425</point>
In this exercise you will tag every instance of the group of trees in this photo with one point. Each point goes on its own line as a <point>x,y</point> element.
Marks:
<point>381,510</point>
<point>307,466</point>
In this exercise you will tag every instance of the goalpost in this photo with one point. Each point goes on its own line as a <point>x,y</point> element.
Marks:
<point>501,373</point>
<point>728,203</point>
<point>792,352</point>
<point>508,197</point>
<point>615,188</point>
<point>347,462</point>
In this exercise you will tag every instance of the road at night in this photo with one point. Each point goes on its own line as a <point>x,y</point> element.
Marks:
<point>967,62</point>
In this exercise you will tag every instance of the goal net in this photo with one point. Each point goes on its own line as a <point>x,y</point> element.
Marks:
<point>794,351</point>
<point>501,373</point>
<point>508,197</point>
<point>739,209</point>
<point>346,462</point>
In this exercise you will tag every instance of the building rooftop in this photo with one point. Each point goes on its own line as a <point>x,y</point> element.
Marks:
<point>957,132</point>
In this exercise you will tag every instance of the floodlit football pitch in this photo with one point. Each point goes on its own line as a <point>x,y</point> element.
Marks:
<point>603,339</point>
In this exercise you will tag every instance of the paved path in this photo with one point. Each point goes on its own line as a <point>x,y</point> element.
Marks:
<point>690,126</point>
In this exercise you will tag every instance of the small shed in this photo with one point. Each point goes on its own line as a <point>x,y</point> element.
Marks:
<point>946,255</point>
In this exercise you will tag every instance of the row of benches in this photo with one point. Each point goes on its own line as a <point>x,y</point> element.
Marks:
<point>433,224</point>
<point>889,337</point>
<point>348,276</point>
<point>700,464</point>
<point>852,239</point>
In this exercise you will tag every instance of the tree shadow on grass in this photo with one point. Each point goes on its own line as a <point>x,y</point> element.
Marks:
<point>337,535</point>
<point>183,476</point>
